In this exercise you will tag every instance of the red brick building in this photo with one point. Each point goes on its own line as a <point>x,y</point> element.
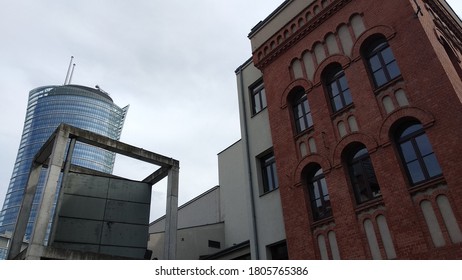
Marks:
<point>364,102</point>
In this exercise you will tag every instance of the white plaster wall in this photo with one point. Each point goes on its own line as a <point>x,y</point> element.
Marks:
<point>268,208</point>
<point>234,195</point>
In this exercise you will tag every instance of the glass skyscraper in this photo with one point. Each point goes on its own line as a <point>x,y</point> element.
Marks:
<point>83,107</point>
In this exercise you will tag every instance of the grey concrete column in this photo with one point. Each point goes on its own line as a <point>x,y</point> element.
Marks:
<point>44,211</point>
<point>171,216</point>
<point>24,212</point>
<point>67,167</point>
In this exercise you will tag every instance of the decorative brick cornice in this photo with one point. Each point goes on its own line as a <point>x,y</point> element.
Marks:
<point>450,22</point>
<point>261,60</point>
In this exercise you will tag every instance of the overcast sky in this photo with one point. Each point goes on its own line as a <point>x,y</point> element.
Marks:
<point>173,61</point>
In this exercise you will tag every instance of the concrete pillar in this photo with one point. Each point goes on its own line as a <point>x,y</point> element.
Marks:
<point>24,212</point>
<point>171,216</point>
<point>44,212</point>
<point>67,167</point>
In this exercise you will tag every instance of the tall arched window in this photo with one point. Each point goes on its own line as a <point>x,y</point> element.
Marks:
<point>380,60</point>
<point>416,153</point>
<point>319,195</point>
<point>301,110</point>
<point>362,174</point>
<point>337,87</point>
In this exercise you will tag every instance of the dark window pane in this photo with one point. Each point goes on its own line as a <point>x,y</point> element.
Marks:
<point>263,98</point>
<point>269,176</point>
<point>343,83</point>
<point>301,125</point>
<point>298,111</point>
<point>408,151</point>
<point>347,97</point>
<point>302,114</point>
<point>432,165</point>
<point>375,64</point>
<point>257,104</point>
<point>415,171</point>
<point>324,186</point>
<point>387,55</point>
<point>424,145</point>
<point>360,153</point>
<point>309,120</point>
<point>362,176</point>
<point>258,98</point>
<point>411,129</point>
<point>393,70</point>
<point>382,63</point>
<point>319,195</point>
<point>337,103</point>
<point>380,78</point>
<point>306,106</point>
<point>337,87</point>
<point>334,89</point>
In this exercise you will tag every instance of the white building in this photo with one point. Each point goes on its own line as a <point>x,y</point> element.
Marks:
<point>242,218</point>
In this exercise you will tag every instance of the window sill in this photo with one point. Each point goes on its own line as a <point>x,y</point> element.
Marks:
<point>387,85</point>
<point>257,113</point>
<point>342,111</point>
<point>322,222</point>
<point>304,132</point>
<point>427,184</point>
<point>268,192</point>
<point>373,203</point>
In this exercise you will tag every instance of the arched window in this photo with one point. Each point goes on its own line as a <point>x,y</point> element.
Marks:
<point>380,60</point>
<point>362,175</point>
<point>301,110</point>
<point>337,87</point>
<point>319,195</point>
<point>416,153</point>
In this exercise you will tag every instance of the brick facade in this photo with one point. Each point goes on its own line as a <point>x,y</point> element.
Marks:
<point>428,90</point>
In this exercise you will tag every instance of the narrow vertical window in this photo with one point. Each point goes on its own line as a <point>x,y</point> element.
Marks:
<point>320,201</point>
<point>258,98</point>
<point>337,88</point>
<point>380,61</point>
<point>269,174</point>
<point>301,111</point>
<point>362,175</point>
<point>417,153</point>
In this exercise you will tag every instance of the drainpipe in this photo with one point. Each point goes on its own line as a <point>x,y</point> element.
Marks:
<point>248,163</point>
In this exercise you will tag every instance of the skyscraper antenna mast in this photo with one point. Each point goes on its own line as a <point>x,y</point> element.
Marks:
<point>72,73</point>
<point>68,70</point>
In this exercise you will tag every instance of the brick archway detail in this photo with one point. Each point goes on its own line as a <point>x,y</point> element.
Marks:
<point>368,141</point>
<point>313,158</point>
<point>422,116</point>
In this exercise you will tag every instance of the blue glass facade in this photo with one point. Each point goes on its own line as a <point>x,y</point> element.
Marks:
<point>87,108</point>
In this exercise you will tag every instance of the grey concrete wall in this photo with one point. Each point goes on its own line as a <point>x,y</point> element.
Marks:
<point>192,243</point>
<point>201,210</point>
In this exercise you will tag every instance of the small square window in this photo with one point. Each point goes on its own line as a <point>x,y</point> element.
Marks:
<point>214,244</point>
